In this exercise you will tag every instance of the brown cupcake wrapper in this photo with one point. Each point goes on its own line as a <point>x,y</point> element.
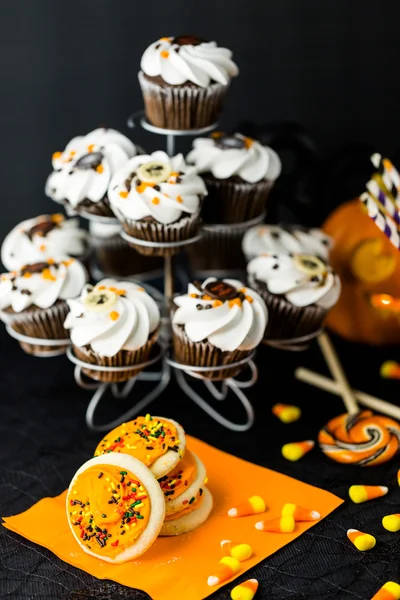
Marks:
<point>45,323</point>
<point>220,248</point>
<point>115,257</point>
<point>286,321</point>
<point>151,231</point>
<point>234,201</point>
<point>182,107</point>
<point>124,358</point>
<point>204,354</point>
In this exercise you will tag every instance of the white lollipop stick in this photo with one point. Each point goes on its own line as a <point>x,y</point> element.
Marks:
<point>385,224</point>
<point>336,369</point>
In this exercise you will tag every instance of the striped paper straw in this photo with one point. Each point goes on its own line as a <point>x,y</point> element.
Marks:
<point>386,202</point>
<point>384,223</point>
<point>392,177</point>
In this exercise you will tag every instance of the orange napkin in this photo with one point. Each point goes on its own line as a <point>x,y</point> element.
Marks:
<point>178,567</point>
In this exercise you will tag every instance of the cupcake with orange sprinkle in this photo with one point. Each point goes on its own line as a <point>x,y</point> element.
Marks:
<point>158,199</point>
<point>113,324</point>
<point>83,170</point>
<point>33,302</point>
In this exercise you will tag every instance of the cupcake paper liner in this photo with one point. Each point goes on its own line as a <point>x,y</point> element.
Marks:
<point>128,358</point>
<point>115,257</point>
<point>182,107</point>
<point>204,354</point>
<point>231,201</point>
<point>286,321</point>
<point>152,231</point>
<point>46,323</point>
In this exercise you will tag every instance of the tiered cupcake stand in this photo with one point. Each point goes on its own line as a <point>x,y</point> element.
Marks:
<point>185,375</point>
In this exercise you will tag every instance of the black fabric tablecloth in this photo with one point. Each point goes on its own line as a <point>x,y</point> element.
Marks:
<point>44,440</point>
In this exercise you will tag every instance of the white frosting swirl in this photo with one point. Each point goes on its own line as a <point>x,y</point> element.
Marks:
<point>42,284</point>
<point>291,276</point>
<point>200,63</point>
<point>84,169</point>
<point>231,324</point>
<point>123,323</point>
<point>227,155</point>
<point>46,236</point>
<point>180,191</point>
<point>275,239</point>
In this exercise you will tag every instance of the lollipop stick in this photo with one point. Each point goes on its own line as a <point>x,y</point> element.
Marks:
<point>336,369</point>
<point>324,383</point>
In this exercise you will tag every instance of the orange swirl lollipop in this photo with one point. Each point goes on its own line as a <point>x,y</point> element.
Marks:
<point>363,438</point>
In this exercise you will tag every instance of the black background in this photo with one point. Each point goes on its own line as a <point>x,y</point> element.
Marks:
<point>68,67</point>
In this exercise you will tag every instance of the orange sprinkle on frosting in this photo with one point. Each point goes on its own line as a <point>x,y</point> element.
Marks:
<point>155,200</point>
<point>114,315</point>
<point>164,39</point>
<point>68,262</point>
<point>121,292</point>
<point>90,147</point>
<point>217,303</point>
<point>99,168</point>
<point>140,289</point>
<point>206,297</point>
<point>112,288</point>
<point>141,188</point>
<point>235,301</point>
<point>248,142</point>
<point>27,275</point>
<point>179,199</point>
<point>56,155</point>
<point>164,53</point>
<point>249,299</point>
<point>57,218</point>
<point>48,275</point>
<point>123,194</point>
<point>193,295</point>
<point>72,152</point>
<point>50,261</point>
<point>101,287</point>
<point>42,248</point>
<point>217,134</point>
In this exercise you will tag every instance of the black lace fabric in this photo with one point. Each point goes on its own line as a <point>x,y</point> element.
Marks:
<point>44,440</point>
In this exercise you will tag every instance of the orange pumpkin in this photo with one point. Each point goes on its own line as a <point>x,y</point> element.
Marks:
<point>369,268</point>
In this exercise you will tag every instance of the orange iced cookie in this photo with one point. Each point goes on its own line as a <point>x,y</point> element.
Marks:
<point>195,513</point>
<point>157,442</point>
<point>183,483</point>
<point>115,507</point>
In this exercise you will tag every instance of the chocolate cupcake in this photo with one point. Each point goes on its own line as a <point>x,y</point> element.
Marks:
<point>298,290</point>
<point>184,80</point>
<point>288,239</point>
<point>46,236</point>
<point>82,172</point>
<point>216,324</point>
<point>114,324</point>
<point>33,301</point>
<point>157,199</point>
<point>115,258</point>
<point>239,173</point>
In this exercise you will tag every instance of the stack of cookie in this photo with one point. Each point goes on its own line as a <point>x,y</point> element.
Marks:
<point>160,444</point>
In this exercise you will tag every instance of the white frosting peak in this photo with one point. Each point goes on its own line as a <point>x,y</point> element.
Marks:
<point>275,239</point>
<point>42,284</point>
<point>227,155</point>
<point>224,312</point>
<point>84,169</point>
<point>185,58</point>
<point>302,279</point>
<point>112,316</point>
<point>158,186</point>
<point>46,236</point>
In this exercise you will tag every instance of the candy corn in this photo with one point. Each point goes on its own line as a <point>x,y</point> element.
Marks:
<point>363,493</point>
<point>362,541</point>
<point>297,450</point>
<point>287,413</point>
<point>252,506</point>
<point>226,568</point>
<point>389,591</point>
<point>245,590</point>
<point>390,370</point>
<point>280,525</point>
<point>239,551</point>
<point>299,513</point>
<point>391,522</point>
